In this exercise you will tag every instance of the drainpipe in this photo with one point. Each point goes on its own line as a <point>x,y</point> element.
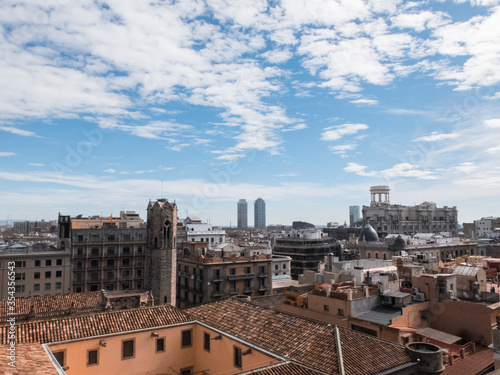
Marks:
<point>339,351</point>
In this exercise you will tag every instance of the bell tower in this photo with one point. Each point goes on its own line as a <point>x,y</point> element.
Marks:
<point>162,253</point>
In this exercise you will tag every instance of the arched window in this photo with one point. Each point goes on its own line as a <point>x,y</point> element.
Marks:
<point>385,256</point>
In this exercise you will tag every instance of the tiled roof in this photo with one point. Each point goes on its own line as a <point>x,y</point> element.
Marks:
<point>473,363</point>
<point>53,306</point>
<point>93,325</point>
<point>302,340</point>
<point>283,368</point>
<point>30,359</point>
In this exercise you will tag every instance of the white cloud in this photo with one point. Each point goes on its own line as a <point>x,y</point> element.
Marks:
<point>420,21</point>
<point>342,149</point>
<point>334,133</point>
<point>110,170</point>
<point>364,101</point>
<point>4,153</point>
<point>435,136</point>
<point>398,170</point>
<point>37,164</point>
<point>17,131</point>
<point>492,123</point>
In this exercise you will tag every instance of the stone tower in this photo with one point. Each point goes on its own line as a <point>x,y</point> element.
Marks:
<point>162,254</point>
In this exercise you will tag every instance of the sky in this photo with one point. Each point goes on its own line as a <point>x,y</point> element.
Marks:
<point>105,105</point>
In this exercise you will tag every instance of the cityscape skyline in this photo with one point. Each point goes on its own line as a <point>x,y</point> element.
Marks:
<point>306,105</point>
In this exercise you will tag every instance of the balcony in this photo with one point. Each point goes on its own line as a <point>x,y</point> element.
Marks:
<point>263,275</point>
<point>241,277</point>
<point>217,293</point>
<point>262,288</point>
<point>234,291</point>
<point>248,291</point>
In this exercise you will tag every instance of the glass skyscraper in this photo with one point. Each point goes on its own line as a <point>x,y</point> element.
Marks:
<point>259,213</point>
<point>242,214</point>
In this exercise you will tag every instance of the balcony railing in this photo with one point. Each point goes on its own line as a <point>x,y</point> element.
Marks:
<point>241,276</point>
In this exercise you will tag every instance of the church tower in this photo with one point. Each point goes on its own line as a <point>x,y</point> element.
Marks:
<point>162,253</point>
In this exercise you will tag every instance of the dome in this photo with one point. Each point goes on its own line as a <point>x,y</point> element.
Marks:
<point>368,234</point>
<point>399,242</point>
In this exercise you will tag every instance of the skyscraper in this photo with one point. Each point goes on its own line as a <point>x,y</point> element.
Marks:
<point>354,216</point>
<point>242,214</point>
<point>259,213</point>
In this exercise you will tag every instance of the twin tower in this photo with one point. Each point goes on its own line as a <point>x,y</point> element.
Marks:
<point>161,262</point>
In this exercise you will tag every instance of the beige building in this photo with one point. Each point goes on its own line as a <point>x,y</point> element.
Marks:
<point>36,272</point>
<point>426,217</point>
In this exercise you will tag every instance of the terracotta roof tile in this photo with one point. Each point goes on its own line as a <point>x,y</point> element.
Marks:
<point>47,331</point>
<point>283,368</point>
<point>30,359</point>
<point>303,340</point>
<point>52,306</point>
<point>473,363</point>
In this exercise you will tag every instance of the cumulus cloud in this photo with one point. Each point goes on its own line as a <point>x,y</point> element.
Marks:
<point>334,133</point>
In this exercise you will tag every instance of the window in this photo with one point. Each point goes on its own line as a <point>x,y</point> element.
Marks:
<point>124,286</point>
<point>95,237</point>
<point>20,276</point>
<point>110,263</point>
<point>126,262</point>
<point>326,308</point>
<point>36,287</point>
<point>80,238</point>
<point>248,269</point>
<point>48,274</point>
<point>128,349</point>
<point>232,271</point>
<point>60,357</point>
<point>139,237</point>
<point>19,264</point>
<point>58,273</point>
<point>126,273</point>
<point>95,252</point>
<point>58,262</point>
<point>340,312</point>
<point>186,371</point>
<point>111,237</point>
<point>47,286</point>
<point>79,251</point>
<point>206,341</point>
<point>38,263</point>
<point>19,288</point>
<point>126,250</point>
<point>139,249</point>
<point>94,276</point>
<point>94,287</point>
<point>284,266</point>
<point>186,338</point>
<point>237,357</point>
<point>92,357</point>
<point>111,251</point>
<point>126,237</point>
<point>160,344</point>
<point>139,273</point>
<point>58,285</point>
<point>276,267</point>
<point>94,263</point>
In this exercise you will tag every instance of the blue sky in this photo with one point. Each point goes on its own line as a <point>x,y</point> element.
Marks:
<point>105,105</point>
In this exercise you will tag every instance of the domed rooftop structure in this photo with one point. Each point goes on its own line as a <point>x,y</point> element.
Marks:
<point>368,234</point>
<point>399,242</point>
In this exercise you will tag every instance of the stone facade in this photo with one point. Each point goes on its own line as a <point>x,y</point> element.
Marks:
<point>426,217</point>
<point>206,277</point>
<point>162,253</point>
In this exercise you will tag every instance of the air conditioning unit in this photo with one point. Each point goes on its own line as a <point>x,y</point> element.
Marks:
<point>420,297</point>
<point>387,300</point>
<point>414,290</point>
